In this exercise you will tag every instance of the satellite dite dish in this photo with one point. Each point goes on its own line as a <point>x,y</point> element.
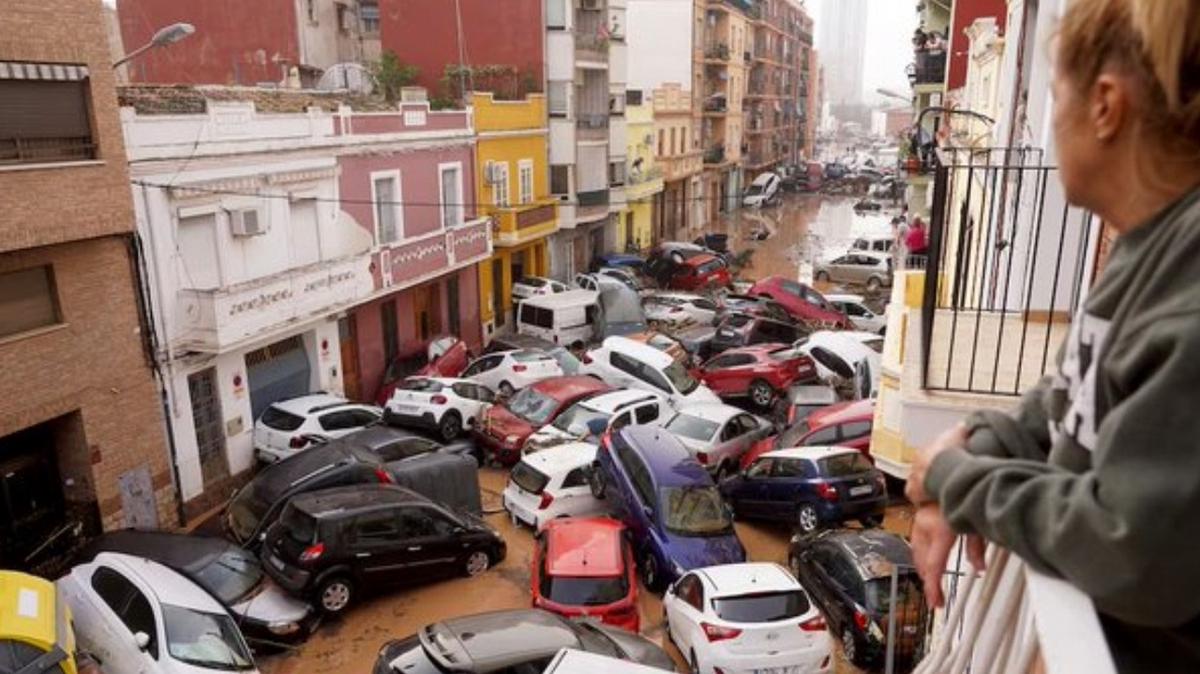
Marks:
<point>353,77</point>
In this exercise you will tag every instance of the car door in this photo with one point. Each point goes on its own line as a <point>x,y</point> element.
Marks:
<point>786,487</point>
<point>376,547</point>
<point>483,371</point>
<point>685,612</point>
<point>754,491</point>
<point>744,430</point>
<point>726,374</point>
<point>838,269</point>
<point>470,401</point>
<point>430,544</point>
<point>651,413</point>
<point>704,310</point>
<point>574,496</point>
<point>856,434</point>
<point>125,611</point>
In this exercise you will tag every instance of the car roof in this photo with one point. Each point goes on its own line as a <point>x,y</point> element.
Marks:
<point>488,641</point>
<point>569,388</point>
<point>587,547</point>
<point>669,461</point>
<point>310,404</point>
<point>169,586</point>
<point>375,436</point>
<point>354,498</point>
<point>874,254</point>
<point>809,453</point>
<point>750,577</point>
<point>279,478</point>
<point>757,349</point>
<point>857,299</point>
<point>875,236</point>
<point>697,260</point>
<point>689,297</point>
<point>529,277</point>
<point>718,412</point>
<point>567,298</point>
<point>180,551</point>
<point>764,178</point>
<point>564,457</point>
<point>874,552</point>
<point>841,412</point>
<point>638,350</point>
<point>610,401</point>
<point>842,343</point>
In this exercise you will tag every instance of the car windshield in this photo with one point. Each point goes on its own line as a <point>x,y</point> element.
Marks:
<point>692,428</point>
<point>696,511</point>
<point>765,607</point>
<point>529,356</point>
<point>203,639</point>
<point>533,406</point>
<point>583,590</point>
<point>908,592</point>
<point>247,510</point>
<point>844,464</point>
<point>709,267</point>
<point>528,478</point>
<point>233,575</point>
<point>420,384</point>
<point>683,382</point>
<point>281,421</point>
<point>298,525</point>
<point>737,321</point>
<point>755,189</point>
<point>791,436</point>
<point>578,414</point>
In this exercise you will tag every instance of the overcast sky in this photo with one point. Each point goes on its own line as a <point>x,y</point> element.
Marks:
<point>890,25</point>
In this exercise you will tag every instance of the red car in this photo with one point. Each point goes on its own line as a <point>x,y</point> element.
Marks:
<point>505,428</point>
<point>701,272</point>
<point>802,302</point>
<point>845,424</point>
<point>584,567</point>
<point>761,371</point>
<point>445,356</point>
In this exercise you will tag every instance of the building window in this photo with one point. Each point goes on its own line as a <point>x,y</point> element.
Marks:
<point>558,98</point>
<point>616,104</point>
<point>560,179</point>
<point>368,13</point>
<point>525,178</point>
<point>452,193</point>
<point>633,97</point>
<point>385,196</point>
<point>452,305</point>
<point>27,301</point>
<point>345,19</point>
<point>44,114</point>
<point>672,141</point>
<point>556,14</point>
<point>661,153</point>
<point>616,172</point>
<point>499,181</point>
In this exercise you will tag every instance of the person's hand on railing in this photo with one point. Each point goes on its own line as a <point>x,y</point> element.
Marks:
<point>952,438</point>
<point>932,541</point>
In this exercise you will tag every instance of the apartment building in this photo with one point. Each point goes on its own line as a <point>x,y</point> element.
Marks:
<point>727,61</point>
<point>82,445</point>
<point>288,42</point>
<point>643,177</point>
<point>778,87</point>
<point>679,210</point>
<point>293,243</point>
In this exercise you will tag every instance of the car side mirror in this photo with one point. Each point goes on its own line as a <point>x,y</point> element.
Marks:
<point>142,640</point>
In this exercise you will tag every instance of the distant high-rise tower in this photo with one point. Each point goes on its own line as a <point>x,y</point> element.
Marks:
<point>841,41</point>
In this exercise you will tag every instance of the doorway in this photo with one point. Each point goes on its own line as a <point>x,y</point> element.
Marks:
<point>348,341</point>
<point>277,372</point>
<point>427,315</point>
<point>206,422</point>
<point>500,315</point>
<point>631,242</point>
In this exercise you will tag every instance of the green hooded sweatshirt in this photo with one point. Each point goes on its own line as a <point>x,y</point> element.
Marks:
<point>1096,477</point>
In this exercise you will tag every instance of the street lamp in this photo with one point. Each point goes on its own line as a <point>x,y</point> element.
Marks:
<point>165,37</point>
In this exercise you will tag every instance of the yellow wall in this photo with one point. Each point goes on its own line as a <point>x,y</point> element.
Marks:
<point>537,263</point>
<point>640,140</point>
<point>493,115</point>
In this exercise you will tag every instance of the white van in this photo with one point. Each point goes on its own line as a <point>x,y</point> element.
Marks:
<point>562,318</point>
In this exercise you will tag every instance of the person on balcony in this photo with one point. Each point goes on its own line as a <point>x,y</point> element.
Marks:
<point>916,239</point>
<point>1095,478</point>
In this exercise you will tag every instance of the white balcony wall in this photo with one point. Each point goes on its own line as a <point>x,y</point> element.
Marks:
<point>618,63</point>
<point>592,168</point>
<point>562,141</point>
<point>560,55</point>
<point>617,136</point>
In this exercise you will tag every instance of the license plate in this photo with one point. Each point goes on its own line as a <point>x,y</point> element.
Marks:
<point>728,333</point>
<point>859,491</point>
<point>792,669</point>
<point>406,409</point>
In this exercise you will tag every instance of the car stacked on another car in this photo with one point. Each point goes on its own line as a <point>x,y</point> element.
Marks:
<point>717,435</point>
<point>674,311</point>
<point>448,406</point>
<point>528,286</point>
<point>675,515</point>
<point>289,426</point>
<point>584,568</point>
<point>761,373</point>
<point>863,318</point>
<point>507,372</point>
<point>588,419</point>
<point>811,486</point>
<point>845,424</point>
<point>552,483</point>
<point>802,302</point>
<point>334,544</point>
<point>746,618</point>
<point>736,330</point>
<point>622,362</point>
<point>442,356</point>
<point>754,306</point>
<point>700,272</point>
<point>506,428</point>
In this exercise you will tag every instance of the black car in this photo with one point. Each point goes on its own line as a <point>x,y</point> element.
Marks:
<point>520,641</point>
<point>267,616</point>
<point>333,543</point>
<point>849,575</point>
<point>746,330</point>
<point>367,456</point>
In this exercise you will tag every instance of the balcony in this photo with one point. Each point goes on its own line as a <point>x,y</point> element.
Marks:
<point>516,225</point>
<point>592,126</point>
<point>591,38</point>
<point>714,155</point>
<point>46,150</point>
<point>715,103</point>
<point>717,51</point>
<point>592,205</point>
<point>929,68</point>
<point>680,166</point>
<point>642,184</point>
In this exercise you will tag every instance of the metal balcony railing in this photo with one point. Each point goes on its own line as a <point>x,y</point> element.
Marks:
<point>592,198</point>
<point>46,150</point>
<point>928,68</point>
<point>591,120</point>
<point>717,50</point>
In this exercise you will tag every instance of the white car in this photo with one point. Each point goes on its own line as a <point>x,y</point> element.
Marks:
<point>859,313</point>
<point>878,243</point>
<point>674,311</point>
<point>140,617</point>
<point>762,191</point>
<point>552,483</point>
<point>623,363</point>
<point>507,372</point>
<point>587,419</point>
<point>446,405</point>
<point>744,619</point>
<point>846,356</point>
<point>288,426</point>
<point>597,282</point>
<point>528,286</point>
<point>717,435</point>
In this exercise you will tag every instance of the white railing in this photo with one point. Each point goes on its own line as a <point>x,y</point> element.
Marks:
<point>1013,620</point>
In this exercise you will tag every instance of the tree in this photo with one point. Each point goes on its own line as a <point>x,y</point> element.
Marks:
<point>393,75</point>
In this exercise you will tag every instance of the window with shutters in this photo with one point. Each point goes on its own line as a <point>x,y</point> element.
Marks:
<point>44,114</point>
<point>389,216</point>
<point>525,180</point>
<point>28,301</point>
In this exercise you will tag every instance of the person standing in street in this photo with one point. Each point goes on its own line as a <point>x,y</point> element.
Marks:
<point>1095,478</point>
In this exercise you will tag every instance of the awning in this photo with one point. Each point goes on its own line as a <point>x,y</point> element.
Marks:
<point>58,72</point>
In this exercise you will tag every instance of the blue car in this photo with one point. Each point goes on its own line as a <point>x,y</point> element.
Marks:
<point>811,486</point>
<point>674,512</point>
<point>619,260</point>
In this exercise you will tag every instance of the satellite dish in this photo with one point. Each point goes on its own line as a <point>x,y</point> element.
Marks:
<point>353,77</point>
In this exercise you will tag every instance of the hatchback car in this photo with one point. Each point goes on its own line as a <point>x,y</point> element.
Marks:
<point>747,330</point>
<point>520,641</point>
<point>583,568</point>
<point>873,270</point>
<point>849,575</point>
<point>288,426</point>
<point>845,358</point>
<point>588,419</point>
<point>753,306</point>
<point>763,190</point>
<point>443,356</point>
<point>802,302</point>
<point>266,615</point>
<point>507,372</point>
<point>717,435</point>
<point>330,545</point>
<point>673,311</point>
<point>761,372</point>
<point>625,275</point>
<point>859,313</point>
<point>447,406</point>
<point>674,512</point>
<point>506,427</point>
<point>136,615</point>
<point>528,286</point>
<point>811,486</point>
<point>622,362</point>
<point>846,424</point>
<point>744,619</point>
<point>551,484</point>
<point>701,272</point>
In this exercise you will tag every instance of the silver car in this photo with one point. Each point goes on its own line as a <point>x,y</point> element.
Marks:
<point>717,435</point>
<point>873,270</point>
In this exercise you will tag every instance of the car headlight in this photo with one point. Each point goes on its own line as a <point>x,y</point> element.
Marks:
<point>284,627</point>
<point>512,440</point>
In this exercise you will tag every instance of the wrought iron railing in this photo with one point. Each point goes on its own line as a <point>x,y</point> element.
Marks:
<point>46,150</point>
<point>1007,262</point>
<point>929,68</point>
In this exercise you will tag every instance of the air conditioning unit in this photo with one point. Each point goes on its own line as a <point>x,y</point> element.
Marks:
<point>247,222</point>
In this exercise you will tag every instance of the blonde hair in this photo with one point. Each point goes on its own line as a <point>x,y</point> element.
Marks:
<point>1157,42</point>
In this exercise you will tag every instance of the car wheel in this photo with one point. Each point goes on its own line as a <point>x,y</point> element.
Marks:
<point>807,519</point>
<point>649,570</point>
<point>477,562</point>
<point>871,521</point>
<point>596,483</point>
<point>723,472</point>
<point>335,594</point>
<point>505,389</point>
<point>821,276</point>
<point>849,647</point>
<point>874,284</point>
<point>450,426</point>
<point>761,393</point>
